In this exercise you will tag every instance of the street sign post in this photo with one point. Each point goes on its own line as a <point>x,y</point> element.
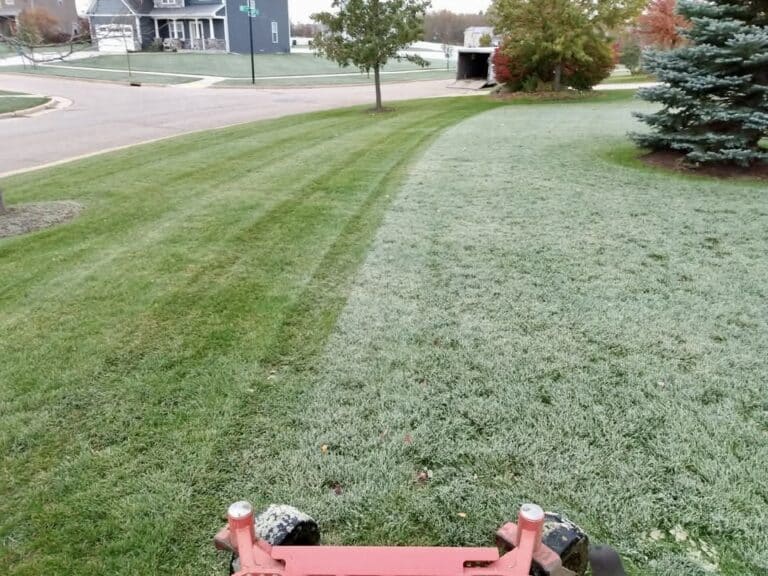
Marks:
<point>252,12</point>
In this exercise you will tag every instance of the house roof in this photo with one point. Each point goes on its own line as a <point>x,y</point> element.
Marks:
<point>109,7</point>
<point>200,11</point>
<point>9,11</point>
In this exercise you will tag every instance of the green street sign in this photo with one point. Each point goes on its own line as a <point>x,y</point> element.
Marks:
<point>252,12</point>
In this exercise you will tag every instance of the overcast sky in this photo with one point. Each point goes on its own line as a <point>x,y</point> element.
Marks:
<point>301,9</point>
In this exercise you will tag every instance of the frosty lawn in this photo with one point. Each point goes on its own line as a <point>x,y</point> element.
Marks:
<point>532,322</point>
<point>535,323</point>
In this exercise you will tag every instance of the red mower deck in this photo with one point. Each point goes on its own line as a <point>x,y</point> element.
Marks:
<point>523,540</point>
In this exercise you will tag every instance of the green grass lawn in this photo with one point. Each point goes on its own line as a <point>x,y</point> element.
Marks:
<point>100,74</point>
<point>13,104</point>
<point>437,74</point>
<point>629,79</point>
<point>228,65</point>
<point>532,321</point>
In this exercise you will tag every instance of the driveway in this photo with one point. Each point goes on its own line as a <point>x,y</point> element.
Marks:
<point>106,116</point>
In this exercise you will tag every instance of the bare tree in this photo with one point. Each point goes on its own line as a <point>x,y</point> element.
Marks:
<point>38,30</point>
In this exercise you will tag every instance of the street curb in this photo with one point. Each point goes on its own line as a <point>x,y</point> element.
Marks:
<point>77,79</point>
<point>39,108</point>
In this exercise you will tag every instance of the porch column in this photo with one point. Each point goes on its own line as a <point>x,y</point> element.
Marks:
<point>157,30</point>
<point>197,31</point>
<point>210,23</point>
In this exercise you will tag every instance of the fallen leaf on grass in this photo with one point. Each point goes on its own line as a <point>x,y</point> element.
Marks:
<point>424,476</point>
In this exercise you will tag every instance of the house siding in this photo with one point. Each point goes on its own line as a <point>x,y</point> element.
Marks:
<point>218,28</point>
<point>147,31</point>
<point>270,11</point>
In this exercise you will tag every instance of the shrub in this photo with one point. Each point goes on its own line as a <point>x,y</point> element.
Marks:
<point>156,46</point>
<point>508,71</point>
<point>485,40</point>
<point>586,74</point>
<point>38,26</point>
<point>84,29</point>
<point>630,53</point>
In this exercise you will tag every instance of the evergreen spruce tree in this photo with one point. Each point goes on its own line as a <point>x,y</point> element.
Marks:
<point>714,89</point>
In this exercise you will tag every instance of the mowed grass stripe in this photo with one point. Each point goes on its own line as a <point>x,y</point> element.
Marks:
<point>131,389</point>
<point>183,213</point>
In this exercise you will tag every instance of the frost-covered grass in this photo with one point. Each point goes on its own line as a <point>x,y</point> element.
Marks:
<point>51,70</point>
<point>227,65</point>
<point>536,323</point>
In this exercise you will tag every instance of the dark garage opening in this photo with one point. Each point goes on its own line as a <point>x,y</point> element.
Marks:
<point>474,64</point>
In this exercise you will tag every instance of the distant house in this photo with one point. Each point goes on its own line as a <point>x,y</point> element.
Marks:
<point>473,34</point>
<point>64,11</point>
<point>206,25</point>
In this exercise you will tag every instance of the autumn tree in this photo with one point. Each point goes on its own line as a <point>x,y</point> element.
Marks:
<point>37,26</point>
<point>303,29</point>
<point>562,42</point>
<point>368,33</point>
<point>713,89</point>
<point>660,25</point>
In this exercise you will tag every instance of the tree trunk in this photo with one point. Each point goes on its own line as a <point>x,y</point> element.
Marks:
<point>377,81</point>
<point>557,83</point>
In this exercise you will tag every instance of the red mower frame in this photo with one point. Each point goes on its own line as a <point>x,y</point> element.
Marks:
<point>258,558</point>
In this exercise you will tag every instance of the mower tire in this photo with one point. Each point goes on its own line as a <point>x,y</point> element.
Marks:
<point>568,541</point>
<point>282,525</point>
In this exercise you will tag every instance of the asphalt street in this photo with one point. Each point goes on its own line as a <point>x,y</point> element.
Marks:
<point>105,116</point>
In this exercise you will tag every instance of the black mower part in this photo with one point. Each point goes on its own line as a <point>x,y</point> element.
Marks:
<point>567,540</point>
<point>282,525</point>
<point>604,561</point>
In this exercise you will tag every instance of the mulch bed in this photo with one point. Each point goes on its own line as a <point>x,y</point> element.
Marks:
<point>547,96</point>
<point>24,218</point>
<point>673,160</point>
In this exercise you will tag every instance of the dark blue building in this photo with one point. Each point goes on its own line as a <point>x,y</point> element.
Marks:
<point>205,25</point>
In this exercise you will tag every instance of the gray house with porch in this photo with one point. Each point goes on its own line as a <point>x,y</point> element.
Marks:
<point>203,25</point>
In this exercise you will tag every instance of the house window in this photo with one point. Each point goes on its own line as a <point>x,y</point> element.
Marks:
<point>168,2</point>
<point>10,2</point>
<point>177,29</point>
<point>275,38</point>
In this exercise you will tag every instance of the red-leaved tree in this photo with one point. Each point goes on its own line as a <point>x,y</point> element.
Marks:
<point>660,25</point>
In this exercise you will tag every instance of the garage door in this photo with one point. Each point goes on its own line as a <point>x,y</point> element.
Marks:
<point>115,37</point>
